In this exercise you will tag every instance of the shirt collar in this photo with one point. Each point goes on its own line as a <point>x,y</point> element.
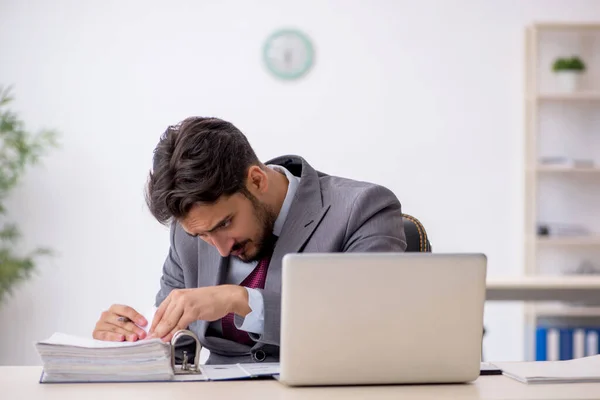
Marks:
<point>293,182</point>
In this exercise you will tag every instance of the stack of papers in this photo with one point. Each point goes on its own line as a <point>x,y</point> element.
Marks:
<point>586,369</point>
<point>69,358</point>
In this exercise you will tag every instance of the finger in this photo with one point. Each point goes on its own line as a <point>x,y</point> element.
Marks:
<point>170,320</point>
<point>108,327</point>
<point>126,324</point>
<point>159,313</point>
<point>168,338</point>
<point>183,323</point>
<point>108,336</point>
<point>130,313</point>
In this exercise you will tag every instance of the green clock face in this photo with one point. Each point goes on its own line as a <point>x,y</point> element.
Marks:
<point>288,54</point>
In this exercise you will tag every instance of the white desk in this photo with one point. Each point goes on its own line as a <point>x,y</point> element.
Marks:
<point>545,288</point>
<point>22,383</point>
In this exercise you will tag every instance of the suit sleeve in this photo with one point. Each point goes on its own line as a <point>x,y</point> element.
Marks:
<point>172,274</point>
<point>375,223</point>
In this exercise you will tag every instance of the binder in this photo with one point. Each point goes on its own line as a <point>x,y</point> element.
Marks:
<point>541,344</point>
<point>591,348</point>
<point>184,372</point>
<point>553,342</point>
<point>566,344</point>
<point>560,343</point>
<point>579,343</point>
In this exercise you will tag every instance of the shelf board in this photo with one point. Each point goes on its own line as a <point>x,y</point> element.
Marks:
<point>576,96</point>
<point>543,282</point>
<point>566,26</point>
<point>568,170</point>
<point>591,240</point>
<point>568,288</point>
<point>543,310</point>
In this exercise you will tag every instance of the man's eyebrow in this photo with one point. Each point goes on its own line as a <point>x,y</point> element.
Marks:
<point>217,226</point>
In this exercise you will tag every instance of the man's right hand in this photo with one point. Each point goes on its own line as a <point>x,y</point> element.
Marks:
<point>120,323</point>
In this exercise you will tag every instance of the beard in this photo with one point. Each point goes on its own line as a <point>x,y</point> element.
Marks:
<point>265,220</point>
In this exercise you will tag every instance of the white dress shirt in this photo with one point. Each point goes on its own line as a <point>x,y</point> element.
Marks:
<point>239,270</point>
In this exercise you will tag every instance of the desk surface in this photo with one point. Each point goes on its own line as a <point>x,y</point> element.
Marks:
<point>22,383</point>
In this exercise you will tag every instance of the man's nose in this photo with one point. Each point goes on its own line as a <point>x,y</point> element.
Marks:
<point>222,244</point>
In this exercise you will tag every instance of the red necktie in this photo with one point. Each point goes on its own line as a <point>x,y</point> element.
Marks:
<point>256,280</point>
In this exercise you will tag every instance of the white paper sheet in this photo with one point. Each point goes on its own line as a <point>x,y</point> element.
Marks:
<point>585,369</point>
<point>78,341</point>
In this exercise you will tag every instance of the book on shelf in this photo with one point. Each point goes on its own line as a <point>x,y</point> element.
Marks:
<point>560,343</point>
<point>546,229</point>
<point>566,162</point>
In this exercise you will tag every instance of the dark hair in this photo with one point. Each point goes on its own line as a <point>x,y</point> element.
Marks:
<point>197,161</point>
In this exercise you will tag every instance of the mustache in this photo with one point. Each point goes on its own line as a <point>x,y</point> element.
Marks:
<point>240,245</point>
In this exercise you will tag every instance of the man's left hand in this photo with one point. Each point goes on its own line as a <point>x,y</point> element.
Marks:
<point>184,306</point>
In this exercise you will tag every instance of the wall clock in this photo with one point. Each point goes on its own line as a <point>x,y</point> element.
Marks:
<point>288,54</point>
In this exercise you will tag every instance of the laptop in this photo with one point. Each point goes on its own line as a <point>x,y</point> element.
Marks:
<point>381,318</point>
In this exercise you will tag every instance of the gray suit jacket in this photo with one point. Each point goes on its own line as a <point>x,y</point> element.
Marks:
<point>328,214</point>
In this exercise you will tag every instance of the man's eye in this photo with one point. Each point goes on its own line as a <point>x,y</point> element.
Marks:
<point>226,223</point>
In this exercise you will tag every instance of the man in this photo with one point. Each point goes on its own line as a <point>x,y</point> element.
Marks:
<point>232,220</point>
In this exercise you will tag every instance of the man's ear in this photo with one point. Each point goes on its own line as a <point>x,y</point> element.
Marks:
<point>257,180</point>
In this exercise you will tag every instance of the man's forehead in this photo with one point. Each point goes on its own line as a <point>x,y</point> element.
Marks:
<point>203,217</point>
<point>206,210</point>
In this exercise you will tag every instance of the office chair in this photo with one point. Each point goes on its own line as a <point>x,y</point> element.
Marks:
<point>418,241</point>
<point>416,236</point>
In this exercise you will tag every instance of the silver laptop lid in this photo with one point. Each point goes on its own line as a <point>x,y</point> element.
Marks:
<point>376,318</point>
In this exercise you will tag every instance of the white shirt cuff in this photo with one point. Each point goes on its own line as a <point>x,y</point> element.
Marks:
<point>255,320</point>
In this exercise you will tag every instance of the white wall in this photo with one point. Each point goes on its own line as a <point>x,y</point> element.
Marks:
<point>422,96</point>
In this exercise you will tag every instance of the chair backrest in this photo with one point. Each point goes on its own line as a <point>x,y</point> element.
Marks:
<point>416,236</point>
<point>418,241</point>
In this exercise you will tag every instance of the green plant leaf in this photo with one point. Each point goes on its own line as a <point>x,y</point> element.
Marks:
<point>568,64</point>
<point>19,149</point>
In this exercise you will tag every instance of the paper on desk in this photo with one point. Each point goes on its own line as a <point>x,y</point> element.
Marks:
<point>261,369</point>
<point>239,371</point>
<point>225,372</point>
<point>585,369</point>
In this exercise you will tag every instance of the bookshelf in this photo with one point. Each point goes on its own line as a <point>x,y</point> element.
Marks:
<point>562,172</point>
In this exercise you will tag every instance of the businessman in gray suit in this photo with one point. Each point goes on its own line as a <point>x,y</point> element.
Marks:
<point>232,219</point>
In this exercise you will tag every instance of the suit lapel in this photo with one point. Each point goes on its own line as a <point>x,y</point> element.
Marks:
<point>291,241</point>
<point>306,213</point>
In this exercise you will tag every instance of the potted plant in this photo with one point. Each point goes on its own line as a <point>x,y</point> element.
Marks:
<point>568,71</point>
<point>19,149</point>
